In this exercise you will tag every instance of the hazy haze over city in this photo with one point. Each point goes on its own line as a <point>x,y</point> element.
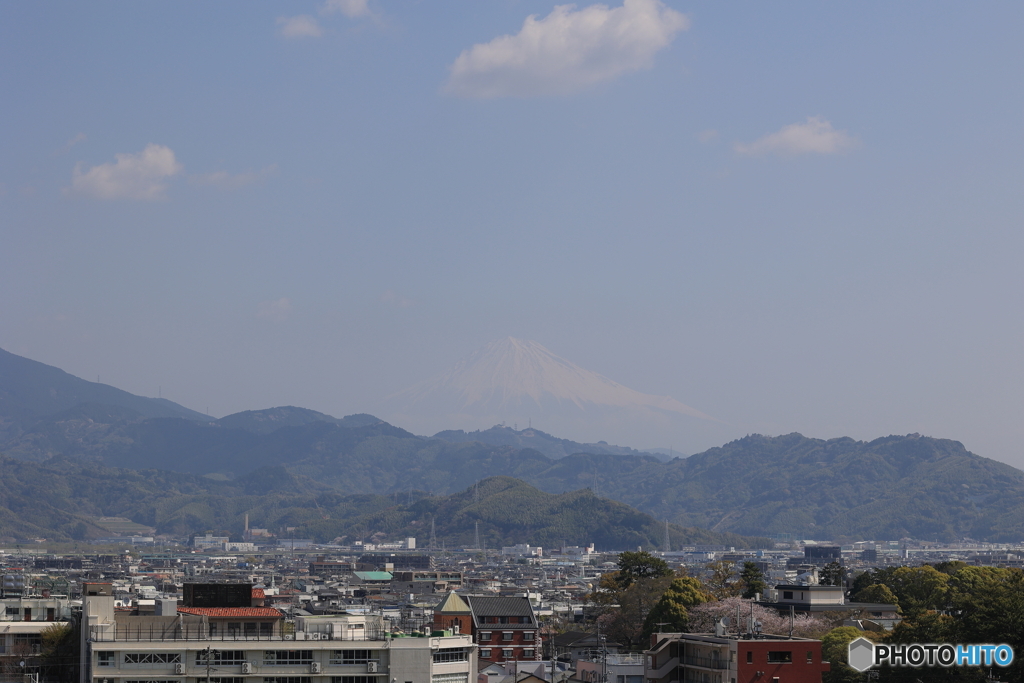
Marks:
<point>793,217</point>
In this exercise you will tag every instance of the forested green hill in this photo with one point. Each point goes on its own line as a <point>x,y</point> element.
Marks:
<point>62,500</point>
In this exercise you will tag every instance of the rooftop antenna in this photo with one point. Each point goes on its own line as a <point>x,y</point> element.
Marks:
<point>476,535</point>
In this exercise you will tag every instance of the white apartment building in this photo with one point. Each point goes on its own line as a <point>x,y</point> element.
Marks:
<point>182,648</point>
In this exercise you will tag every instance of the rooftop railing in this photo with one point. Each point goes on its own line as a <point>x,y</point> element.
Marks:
<point>159,633</point>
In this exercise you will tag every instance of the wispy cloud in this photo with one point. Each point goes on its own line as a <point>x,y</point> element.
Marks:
<point>233,181</point>
<point>275,310</point>
<point>132,176</point>
<point>567,51</point>
<point>81,137</point>
<point>301,26</point>
<point>815,136</point>
<point>350,8</point>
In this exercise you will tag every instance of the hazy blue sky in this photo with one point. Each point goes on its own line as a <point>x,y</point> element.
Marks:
<point>793,217</point>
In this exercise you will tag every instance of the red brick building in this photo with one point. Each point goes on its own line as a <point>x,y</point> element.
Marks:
<point>733,658</point>
<point>503,628</point>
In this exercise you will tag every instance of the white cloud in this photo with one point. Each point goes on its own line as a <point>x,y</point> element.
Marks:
<point>350,8</point>
<point>816,136</point>
<point>567,50</point>
<point>275,310</point>
<point>229,181</point>
<point>301,26</point>
<point>132,176</point>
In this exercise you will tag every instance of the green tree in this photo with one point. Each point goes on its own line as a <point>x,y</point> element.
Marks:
<point>672,609</point>
<point>832,574</point>
<point>877,593</point>
<point>950,566</point>
<point>989,606</point>
<point>834,650</point>
<point>752,579</point>
<point>59,656</point>
<point>623,620</point>
<point>919,589</point>
<point>872,576</point>
<point>640,565</point>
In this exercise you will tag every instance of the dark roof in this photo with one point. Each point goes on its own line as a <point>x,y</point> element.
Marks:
<point>484,606</point>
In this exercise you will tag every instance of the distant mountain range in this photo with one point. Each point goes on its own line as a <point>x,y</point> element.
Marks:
<point>551,446</point>
<point>515,381</point>
<point>71,500</point>
<point>888,488</point>
<point>30,390</point>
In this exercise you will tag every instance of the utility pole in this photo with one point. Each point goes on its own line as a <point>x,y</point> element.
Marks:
<point>208,656</point>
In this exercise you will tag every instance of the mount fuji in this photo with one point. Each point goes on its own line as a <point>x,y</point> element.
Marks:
<point>519,381</point>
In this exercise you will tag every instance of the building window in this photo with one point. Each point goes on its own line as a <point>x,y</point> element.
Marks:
<point>153,681</point>
<point>750,657</point>
<point>528,635</point>
<point>528,653</point>
<point>780,657</point>
<point>810,657</point>
<point>151,658</point>
<point>222,657</point>
<point>450,654</point>
<point>105,659</point>
<point>449,678</point>
<point>287,679</point>
<point>353,679</point>
<point>485,653</point>
<point>787,595</point>
<point>287,657</point>
<point>507,654</point>
<point>230,679</point>
<point>350,657</point>
<point>485,635</point>
<point>506,635</point>
<point>14,611</point>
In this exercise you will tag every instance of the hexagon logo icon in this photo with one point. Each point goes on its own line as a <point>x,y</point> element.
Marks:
<point>861,654</point>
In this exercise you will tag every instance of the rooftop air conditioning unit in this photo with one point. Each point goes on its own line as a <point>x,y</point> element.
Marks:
<point>246,668</point>
<point>314,667</point>
<point>371,667</point>
<point>289,636</point>
<point>179,668</point>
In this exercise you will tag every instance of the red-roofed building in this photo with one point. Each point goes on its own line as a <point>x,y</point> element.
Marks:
<point>258,597</point>
<point>239,621</point>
